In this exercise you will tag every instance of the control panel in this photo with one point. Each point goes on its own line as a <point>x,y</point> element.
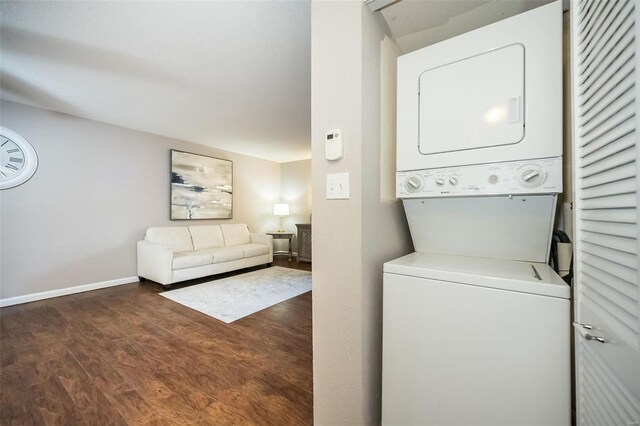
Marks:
<point>542,176</point>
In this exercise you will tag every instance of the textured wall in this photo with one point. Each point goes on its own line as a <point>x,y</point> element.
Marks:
<point>385,233</point>
<point>97,188</point>
<point>352,66</point>
<point>336,50</point>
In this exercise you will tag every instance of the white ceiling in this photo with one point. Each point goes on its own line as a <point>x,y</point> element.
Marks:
<point>235,75</point>
<point>419,23</point>
<point>229,74</point>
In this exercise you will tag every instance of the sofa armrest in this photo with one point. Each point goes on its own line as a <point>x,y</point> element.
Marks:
<point>264,239</point>
<point>155,262</point>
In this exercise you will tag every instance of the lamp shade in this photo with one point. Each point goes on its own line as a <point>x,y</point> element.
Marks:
<point>281,209</point>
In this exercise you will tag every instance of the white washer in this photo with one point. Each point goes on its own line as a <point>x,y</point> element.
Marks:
<point>471,341</point>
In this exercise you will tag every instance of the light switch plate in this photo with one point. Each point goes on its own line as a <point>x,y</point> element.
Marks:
<point>338,186</point>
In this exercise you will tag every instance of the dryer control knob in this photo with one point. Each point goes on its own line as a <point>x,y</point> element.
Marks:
<point>453,180</point>
<point>413,184</point>
<point>440,181</point>
<point>532,176</point>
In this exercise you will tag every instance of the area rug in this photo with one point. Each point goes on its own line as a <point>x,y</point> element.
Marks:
<point>230,299</point>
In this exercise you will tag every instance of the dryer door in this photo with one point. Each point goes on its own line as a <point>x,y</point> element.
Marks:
<point>473,103</point>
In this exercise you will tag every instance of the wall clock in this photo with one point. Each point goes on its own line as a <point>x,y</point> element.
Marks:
<point>18,159</point>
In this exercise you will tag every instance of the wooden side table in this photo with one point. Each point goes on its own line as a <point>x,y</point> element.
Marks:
<point>283,236</point>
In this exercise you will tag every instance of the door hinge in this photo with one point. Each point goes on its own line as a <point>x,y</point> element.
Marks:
<point>585,326</point>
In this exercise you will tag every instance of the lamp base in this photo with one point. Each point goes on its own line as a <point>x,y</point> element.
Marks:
<point>281,229</point>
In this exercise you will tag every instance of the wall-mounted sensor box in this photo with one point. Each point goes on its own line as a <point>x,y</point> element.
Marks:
<point>333,148</point>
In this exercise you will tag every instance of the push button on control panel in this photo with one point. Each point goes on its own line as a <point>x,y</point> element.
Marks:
<point>493,179</point>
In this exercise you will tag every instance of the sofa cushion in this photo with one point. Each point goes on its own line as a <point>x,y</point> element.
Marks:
<point>224,254</point>
<point>235,234</point>
<point>191,259</point>
<point>205,237</point>
<point>254,249</point>
<point>176,237</point>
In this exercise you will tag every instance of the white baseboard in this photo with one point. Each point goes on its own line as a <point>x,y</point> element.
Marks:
<point>10,301</point>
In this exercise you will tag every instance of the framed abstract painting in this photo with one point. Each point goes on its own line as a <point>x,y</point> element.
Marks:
<point>201,187</point>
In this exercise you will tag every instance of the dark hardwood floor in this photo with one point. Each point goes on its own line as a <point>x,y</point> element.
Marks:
<point>124,355</point>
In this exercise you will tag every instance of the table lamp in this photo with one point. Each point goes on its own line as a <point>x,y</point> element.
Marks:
<point>281,210</point>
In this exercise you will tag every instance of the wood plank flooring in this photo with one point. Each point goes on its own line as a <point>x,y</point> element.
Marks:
<point>125,355</point>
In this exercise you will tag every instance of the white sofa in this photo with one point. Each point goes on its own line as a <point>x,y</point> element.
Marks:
<point>178,253</point>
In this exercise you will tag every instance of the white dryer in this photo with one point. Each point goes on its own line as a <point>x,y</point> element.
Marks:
<point>480,116</point>
<point>487,96</point>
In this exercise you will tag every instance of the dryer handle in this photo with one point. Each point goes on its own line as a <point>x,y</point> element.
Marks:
<point>513,112</point>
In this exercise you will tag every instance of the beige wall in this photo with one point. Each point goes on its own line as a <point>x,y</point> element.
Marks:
<point>338,396</point>
<point>97,188</point>
<point>351,238</point>
<point>566,198</point>
<point>385,233</point>
<point>295,190</point>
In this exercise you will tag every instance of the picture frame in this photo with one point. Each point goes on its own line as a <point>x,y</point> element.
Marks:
<point>201,187</point>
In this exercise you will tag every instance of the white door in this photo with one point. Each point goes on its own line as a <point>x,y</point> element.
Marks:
<point>482,99</point>
<point>605,88</point>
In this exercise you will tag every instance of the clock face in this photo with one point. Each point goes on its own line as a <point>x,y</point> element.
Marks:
<point>18,159</point>
<point>11,158</point>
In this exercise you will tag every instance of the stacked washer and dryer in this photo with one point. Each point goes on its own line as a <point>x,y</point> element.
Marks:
<point>475,323</point>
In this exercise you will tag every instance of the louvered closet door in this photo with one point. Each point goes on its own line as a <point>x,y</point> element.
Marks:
<point>605,88</point>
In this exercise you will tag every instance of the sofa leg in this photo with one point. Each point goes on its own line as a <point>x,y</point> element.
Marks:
<point>166,286</point>
<point>141,279</point>
<point>270,264</point>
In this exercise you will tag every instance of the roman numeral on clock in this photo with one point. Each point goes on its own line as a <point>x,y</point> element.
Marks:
<point>18,159</point>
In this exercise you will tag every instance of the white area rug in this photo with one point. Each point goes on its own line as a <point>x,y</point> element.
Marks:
<point>232,298</point>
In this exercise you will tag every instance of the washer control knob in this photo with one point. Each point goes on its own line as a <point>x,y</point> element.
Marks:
<point>493,179</point>
<point>440,181</point>
<point>453,180</point>
<point>413,183</point>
